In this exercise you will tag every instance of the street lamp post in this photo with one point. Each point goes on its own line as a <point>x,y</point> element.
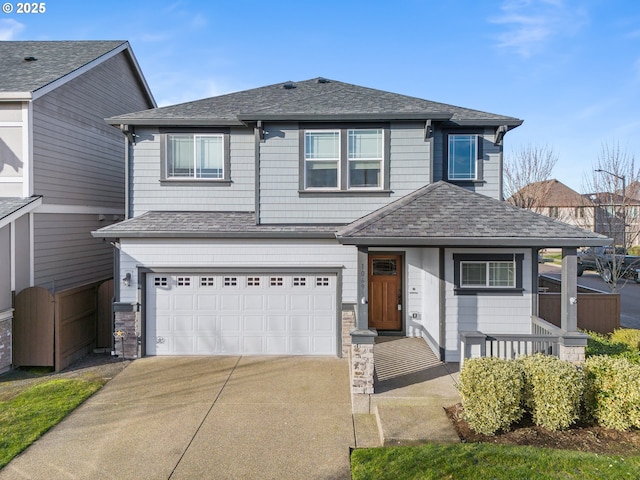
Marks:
<point>624,206</point>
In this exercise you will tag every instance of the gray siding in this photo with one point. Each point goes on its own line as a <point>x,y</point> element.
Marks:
<point>65,252</point>
<point>5,260</point>
<point>491,185</point>
<point>280,201</point>
<point>78,158</point>
<point>22,252</point>
<point>148,193</point>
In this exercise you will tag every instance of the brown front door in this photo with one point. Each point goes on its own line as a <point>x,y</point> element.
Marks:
<point>385,291</point>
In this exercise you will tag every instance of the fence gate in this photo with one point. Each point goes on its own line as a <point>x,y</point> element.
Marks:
<point>33,327</point>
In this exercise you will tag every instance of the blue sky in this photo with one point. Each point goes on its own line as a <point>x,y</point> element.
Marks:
<point>570,69</point>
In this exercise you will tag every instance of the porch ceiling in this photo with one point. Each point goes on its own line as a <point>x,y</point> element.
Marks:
<point>442,214</point>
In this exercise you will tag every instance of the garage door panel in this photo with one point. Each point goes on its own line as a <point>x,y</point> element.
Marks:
<point>276,323</point>
<point>241,314</point>
<point>254,302</point>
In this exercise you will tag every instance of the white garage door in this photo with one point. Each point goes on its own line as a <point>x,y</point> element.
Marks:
<point>241,314</point>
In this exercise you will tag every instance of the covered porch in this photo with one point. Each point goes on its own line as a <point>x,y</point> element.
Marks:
<point>441,236</point>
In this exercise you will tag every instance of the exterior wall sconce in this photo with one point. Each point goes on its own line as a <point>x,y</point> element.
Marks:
<point>127,279</point>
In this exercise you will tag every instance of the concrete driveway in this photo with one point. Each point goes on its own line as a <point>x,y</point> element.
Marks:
<point>204,418</point>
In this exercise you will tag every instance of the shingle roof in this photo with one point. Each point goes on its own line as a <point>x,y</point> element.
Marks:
<point>10,205</point>
<point>317,99</point>
<point>549,193</point>
<point>445,214</point>
<point>54,59</point>
<point>208,224</point>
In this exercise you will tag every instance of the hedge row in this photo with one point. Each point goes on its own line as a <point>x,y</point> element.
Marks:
<point>497,393</point>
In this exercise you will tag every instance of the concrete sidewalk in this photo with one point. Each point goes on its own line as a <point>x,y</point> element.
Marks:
<point>204,417</point>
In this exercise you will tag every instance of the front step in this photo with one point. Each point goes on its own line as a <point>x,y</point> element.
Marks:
<point>414,423</point>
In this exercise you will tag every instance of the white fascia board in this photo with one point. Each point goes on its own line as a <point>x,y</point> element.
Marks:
<point>80,71</point>
<point>12,217</point>
<point>15,96</point>
<point>79,209</point>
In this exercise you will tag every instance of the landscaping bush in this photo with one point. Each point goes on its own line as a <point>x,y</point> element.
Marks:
<point>612,392</point>
<point>491,391</point>
<point>599,344</point>
<point>552,391</point>
<point>627,336</point>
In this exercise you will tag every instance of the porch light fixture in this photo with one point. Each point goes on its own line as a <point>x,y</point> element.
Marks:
<point>127,279</point>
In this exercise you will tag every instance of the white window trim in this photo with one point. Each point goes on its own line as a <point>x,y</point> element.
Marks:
<point>195,158</point>
<point>380,159</point>
<point>449,164</point>
<point>343,161</point>
<point>487,283</point>
<point>336,160</point>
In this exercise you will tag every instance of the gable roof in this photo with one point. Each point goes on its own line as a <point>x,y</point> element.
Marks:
<point>442,214</point>
<point>13,208</point>
<point>549,193</point>
<point>156,224</point>
<point>29,66</point>
<point>317,99</point>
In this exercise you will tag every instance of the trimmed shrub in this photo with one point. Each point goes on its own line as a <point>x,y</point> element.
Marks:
<point>599,344</point>
<point>612,392</point>
<point>627,336</point>
<point>552,391</point>
<point>491,391</point>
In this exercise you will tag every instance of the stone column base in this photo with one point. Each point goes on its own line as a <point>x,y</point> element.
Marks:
<point>125,335</point>
<point>6,340</point>
<point>572,354</point>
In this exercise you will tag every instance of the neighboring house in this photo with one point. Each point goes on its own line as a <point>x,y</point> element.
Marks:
<point>554,199</point>
<point>598,212</point>
<point>61,165</point>
<point>617,216</point>
<point>308,217</point>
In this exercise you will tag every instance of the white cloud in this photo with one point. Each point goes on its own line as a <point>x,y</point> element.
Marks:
<point>528,25</point>
<point>9,29</point>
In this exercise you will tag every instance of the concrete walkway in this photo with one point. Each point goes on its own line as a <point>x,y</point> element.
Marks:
<point>412,388</point>
<point>204,417</point>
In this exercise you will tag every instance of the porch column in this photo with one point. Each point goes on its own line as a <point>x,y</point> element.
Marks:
<point>125,337</point>
<point>572,343</point>
<point>362,369</point>
<point>362,307</point>
<point>569,291</point>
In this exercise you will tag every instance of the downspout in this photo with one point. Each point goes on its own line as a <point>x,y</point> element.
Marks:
<point>116,291</point>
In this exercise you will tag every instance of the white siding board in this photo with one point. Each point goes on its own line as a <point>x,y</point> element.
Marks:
<point>240,253</point>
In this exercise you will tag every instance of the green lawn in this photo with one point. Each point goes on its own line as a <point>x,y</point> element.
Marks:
<point>484,461</point>
<point>25,417</point>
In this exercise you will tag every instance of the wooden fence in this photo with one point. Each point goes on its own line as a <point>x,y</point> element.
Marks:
<point>597,311</point>
<point>54,330</point>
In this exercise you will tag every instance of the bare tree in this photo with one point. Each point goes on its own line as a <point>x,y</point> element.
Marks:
<point>611,186</point>
<point>525,173</point>
<point>616,211</point>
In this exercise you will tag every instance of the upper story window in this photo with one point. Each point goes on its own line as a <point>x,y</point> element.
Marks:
<point>322,159</point>
<point>201,156</point>
<point>195,156</point>
<point>463,157</point>
<point>343,159</point>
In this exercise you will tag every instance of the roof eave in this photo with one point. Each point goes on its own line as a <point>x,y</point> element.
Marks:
<point>511,123</point>
<point>539,242</point>
<point>15,96</point>
<point>19,212</point>
<point>187,234</point>
<point>187,122</point>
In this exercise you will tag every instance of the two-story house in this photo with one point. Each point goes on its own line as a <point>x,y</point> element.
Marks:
<point>304,217</point>
<point>61,166</point>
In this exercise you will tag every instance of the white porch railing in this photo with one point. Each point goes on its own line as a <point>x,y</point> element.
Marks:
<point>544,338</point>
